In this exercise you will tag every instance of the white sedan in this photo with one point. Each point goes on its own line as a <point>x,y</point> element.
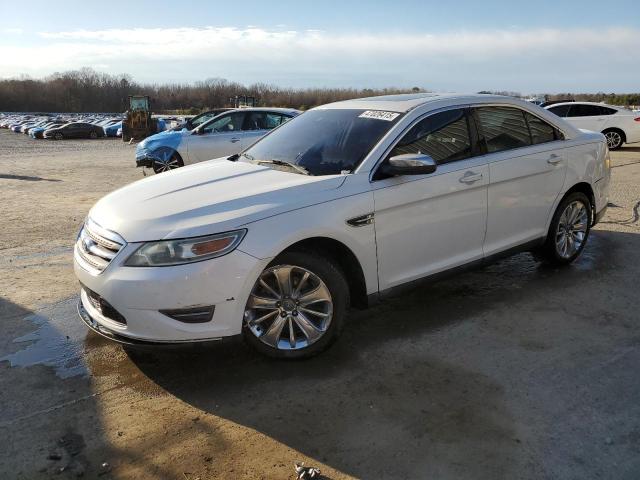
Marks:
<point>223,135</point>
<point>338,207</point>
<point>619,125</point>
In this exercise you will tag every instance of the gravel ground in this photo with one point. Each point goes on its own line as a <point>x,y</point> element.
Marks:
<point>514,371</point>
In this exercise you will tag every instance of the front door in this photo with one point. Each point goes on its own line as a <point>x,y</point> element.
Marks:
<point>221,137</point>
<point>429,223</point>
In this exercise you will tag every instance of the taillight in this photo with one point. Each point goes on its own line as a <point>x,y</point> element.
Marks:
<point>636,119</point>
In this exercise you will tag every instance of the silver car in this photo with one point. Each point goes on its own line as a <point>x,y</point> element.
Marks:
<point>224,135</point>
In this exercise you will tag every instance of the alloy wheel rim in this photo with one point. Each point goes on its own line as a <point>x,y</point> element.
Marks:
<point>613,139</point>
<point>572,229</point>
<point>167,161</point>
<point>289,308</point>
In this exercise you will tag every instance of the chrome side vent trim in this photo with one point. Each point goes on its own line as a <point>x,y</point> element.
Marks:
<point>361,221</point>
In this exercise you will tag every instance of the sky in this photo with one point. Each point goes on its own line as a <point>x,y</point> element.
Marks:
<point>455,45</point>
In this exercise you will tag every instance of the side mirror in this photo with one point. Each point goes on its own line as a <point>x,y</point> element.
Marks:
<point>409,164</point>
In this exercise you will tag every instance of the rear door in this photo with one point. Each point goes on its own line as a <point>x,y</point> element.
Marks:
<point>589,117</point>
<point>527,166</point>
<point>72,130</point>
<point>221,137</point>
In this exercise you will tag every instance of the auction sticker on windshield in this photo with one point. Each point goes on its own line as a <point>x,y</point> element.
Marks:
<point>380,115</point>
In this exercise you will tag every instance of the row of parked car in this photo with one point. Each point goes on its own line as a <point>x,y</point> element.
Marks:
<point>62,126</point>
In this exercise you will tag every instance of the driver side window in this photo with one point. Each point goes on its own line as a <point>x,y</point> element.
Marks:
<point>226,123</point>
<point>443,136</point>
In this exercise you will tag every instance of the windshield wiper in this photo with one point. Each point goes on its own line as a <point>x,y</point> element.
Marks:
<point>282,163</point>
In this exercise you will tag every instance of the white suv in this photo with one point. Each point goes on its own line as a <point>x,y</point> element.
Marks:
<point>619,125</point>
<point>336,208</point>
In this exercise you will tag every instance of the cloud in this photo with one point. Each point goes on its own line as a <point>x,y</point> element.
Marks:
<point>529,60</point>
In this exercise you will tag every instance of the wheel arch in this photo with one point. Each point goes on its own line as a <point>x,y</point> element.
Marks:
<point>346,260</point>
<point>583,187</point>
<point>617,129</point>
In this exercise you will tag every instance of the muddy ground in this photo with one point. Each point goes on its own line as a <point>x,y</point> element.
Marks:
<point>514,371</point>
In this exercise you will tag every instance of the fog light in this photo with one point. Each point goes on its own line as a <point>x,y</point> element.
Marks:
<point>191,315</point>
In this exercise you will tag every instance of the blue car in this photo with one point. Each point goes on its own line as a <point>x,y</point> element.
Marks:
<point>112,130</point>
<point>221,136</point>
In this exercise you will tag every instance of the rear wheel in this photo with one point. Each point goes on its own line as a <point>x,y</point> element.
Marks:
<point>569,230</point>
<point>93,135</point>
<point>297,306</point>
<point>166,160</point>
<point>614,138</point>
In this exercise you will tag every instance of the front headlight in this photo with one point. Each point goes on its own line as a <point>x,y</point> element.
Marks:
<point>187,250</point>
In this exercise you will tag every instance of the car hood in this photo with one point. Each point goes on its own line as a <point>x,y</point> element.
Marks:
<point>206,198</point>
<point>166,138</point>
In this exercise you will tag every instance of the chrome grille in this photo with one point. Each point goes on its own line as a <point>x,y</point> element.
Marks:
<point>96,247</point>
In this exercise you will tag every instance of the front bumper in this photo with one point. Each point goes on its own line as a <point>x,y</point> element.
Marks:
<point>139,293</point>
<point>145,158</point>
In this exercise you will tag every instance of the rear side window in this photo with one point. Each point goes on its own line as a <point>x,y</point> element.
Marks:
<point>607,111</point>
<point>503,128</point>
<point>541,131</point>
<point>580,110</point>
<point>275,119</point>
<point>443,136</point>
<point>560,110</point>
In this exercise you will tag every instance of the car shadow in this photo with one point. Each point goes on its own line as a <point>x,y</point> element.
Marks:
<point>381,402</point>
<point>27,178</point>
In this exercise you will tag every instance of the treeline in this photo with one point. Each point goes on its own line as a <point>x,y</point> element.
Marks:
<point>86,90</point>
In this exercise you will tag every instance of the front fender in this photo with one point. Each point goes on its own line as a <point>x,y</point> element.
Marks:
<point>269,237</point>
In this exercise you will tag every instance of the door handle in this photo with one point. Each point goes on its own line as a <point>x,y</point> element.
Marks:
<point>553,159</point>
<point>234,140</point>
<point>470,177</point>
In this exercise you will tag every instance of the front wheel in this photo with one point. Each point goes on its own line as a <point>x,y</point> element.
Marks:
<point>297,306</point>
<point>93,135</point>
<point>58,136</point>
<point>569,230</point>
<point>166,159</point>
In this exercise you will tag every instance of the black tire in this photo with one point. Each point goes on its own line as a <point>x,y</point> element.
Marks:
<point>615,138</point>
<point>550,252</point>
<point>174,161</point>
<point>334,279</point>
<point>58,136</point>
<point>93,135</point>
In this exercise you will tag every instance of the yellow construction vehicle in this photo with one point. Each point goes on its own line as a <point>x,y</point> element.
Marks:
<point>138,123</point>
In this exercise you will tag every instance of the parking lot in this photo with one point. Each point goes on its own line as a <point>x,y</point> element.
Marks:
<point>514,371</point>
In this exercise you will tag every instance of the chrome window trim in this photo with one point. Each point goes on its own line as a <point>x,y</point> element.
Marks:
<point>401,135</point>
<point>508,105</point>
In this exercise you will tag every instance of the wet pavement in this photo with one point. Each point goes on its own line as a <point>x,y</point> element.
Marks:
<point>517,370</point>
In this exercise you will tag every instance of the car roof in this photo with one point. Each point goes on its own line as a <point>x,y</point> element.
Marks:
<point>405,102</point>
<point>598,104</point>
<point>264,109</point>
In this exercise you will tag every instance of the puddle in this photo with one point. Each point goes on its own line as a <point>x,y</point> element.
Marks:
<point>58,341</point>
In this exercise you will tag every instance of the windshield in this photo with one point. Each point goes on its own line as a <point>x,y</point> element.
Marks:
<point>324,142</point>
